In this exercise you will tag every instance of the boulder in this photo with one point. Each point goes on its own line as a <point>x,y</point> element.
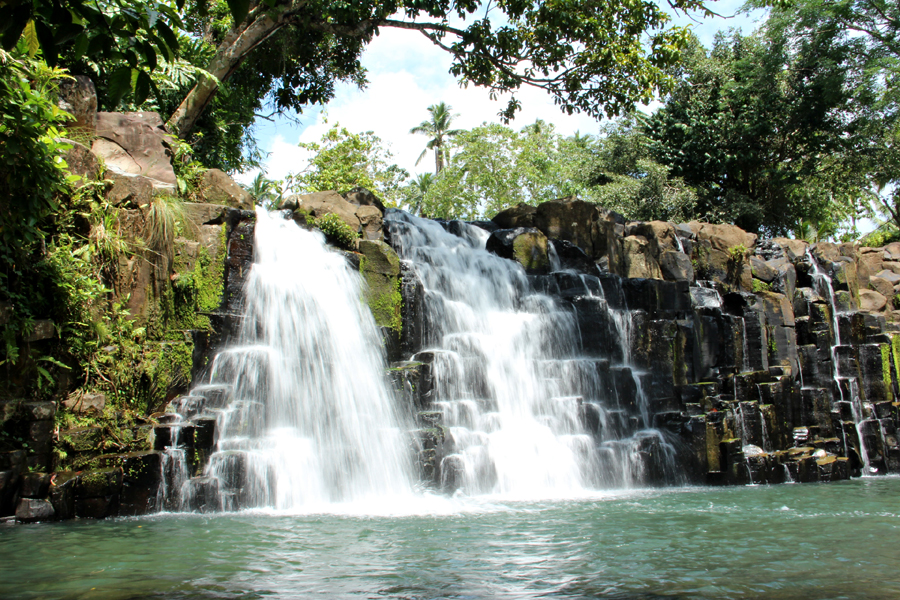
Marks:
<point>869,261</point>
<point>78,97</point>
<point>639,260</point>
<point>826,252</point>
<point>371,221</point>
<point>871,301</point>
<point>35,485</point>
<point>43,329</point>
<point>81,162</point>
<point>527,246</point>
<point>85,403</point>
<point>521,215</point>
<point>218,188</point>
<point>785,281</point>
<point>38,410</point>
<point>892,266</point>
<point>607,241</point>
<point>319,204</point>
<point>571,257</point>
<point>676,266</point>
<point>129,190</point>
<point>723,237</point>
<point>135,143</point>
<point>892,251</point>
<point>362,197</point>
<point>882,286</point>
<point>889,276</point>
<point>660,234</point>
<point>761,270</point>
<point>32,510</point>
<point>569,220</point>
<point>62,495</point>
<point>205,214</point>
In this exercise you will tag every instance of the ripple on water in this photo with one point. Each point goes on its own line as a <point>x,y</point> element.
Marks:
<point>822,541</point>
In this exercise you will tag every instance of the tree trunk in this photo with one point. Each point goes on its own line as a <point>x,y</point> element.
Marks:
<point>239,42</point>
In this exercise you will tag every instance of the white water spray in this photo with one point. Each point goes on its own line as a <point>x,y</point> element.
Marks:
<point>304,414</point>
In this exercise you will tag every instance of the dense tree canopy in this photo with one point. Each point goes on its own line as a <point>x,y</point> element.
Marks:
<point>593,57</point>
<point>867,34</point>
<point>750,123</point>
<point>493,167</point>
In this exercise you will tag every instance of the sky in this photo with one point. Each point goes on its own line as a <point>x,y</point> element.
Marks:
<point>407,74</point>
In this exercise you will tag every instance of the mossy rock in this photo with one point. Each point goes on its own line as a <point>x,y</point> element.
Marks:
<point>82,439</point>
<point>527,246</point>
<point>380,267</point>
<point>101,482</point>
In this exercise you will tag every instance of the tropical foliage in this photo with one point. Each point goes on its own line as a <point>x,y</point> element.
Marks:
<point>438,128</point>
<point>342,160</point>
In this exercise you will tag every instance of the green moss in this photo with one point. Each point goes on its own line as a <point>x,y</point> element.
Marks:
<point>195,290</point>
<point>380,267</point>
<point>530,251</point>
<point>168,367</point>
<point>761,286</point>
<point>385,301</point>
<point>210,275</point>
<point>336,231</point>
<point>886,371</point>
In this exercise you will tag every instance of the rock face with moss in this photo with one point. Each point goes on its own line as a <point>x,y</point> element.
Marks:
<point>526,246</point>
<point>380,267</point>
<point>152,284</point>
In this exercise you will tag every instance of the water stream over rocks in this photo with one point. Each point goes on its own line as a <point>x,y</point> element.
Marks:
<point>544,376</point>
<point>302,413</point>
<point>531,412</point>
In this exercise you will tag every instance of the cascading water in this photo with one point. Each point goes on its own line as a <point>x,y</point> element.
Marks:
<point>825,288</point>
<point>517,395</point>
<point>304,416</point>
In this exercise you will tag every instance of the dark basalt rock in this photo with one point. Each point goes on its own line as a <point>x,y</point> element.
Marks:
<point>571,257</point>
<point>521,215</point>
<point>32,510</point>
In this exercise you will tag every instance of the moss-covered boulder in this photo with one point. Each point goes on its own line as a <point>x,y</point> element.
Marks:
<point>380,267</point>
<point>527,246</point>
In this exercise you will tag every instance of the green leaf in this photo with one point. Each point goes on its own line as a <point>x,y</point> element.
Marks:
<point>149,54</point>
<point>142,87</point>
<point>31,38</point>
<point>97,44</point>
<point>52,360</point>
<point>239,9</point>
<point>119,84</point>
<point>81,44</point>
<point>167,35</point>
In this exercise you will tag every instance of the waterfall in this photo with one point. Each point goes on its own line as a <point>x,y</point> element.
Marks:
<point>825,288</point>
<point>304,415</point>
<point>529,415</point>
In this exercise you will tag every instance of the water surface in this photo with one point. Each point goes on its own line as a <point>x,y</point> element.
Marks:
<point>839,540</point>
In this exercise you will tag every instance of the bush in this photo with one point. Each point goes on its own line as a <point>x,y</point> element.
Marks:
<point>337,233</point>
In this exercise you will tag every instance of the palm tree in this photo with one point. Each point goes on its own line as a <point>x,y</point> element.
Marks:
<point>419,186</point>
<point>262,189</point>
<point>438,127</point>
